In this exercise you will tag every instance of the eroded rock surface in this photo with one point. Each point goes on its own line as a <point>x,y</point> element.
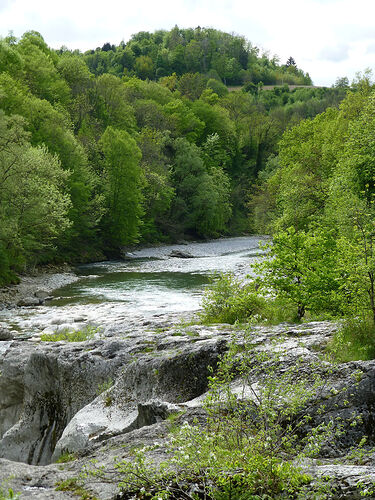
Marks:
<point>99,399</point>
<point>43,386</point>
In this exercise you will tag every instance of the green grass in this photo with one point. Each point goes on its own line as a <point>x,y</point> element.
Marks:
<point>172,419</point>
<point>66,457</point>
<point>177,333</point>
<point>354,341</point>
<point>9,494</point>
<point>107,384</point>
<point>66,335</point>
<point>74,486</point>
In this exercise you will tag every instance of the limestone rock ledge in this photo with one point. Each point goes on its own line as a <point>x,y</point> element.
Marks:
<point>98,399</point>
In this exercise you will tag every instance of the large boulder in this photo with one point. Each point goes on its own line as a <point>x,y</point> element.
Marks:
<point>180,254</point>
<point>29,302</point>
<point>96,421</point>
<point>43,387</point>
<point>144,393</point>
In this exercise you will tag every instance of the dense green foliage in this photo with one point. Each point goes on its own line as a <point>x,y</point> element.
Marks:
<point>136,143</point>
<point>355,340</point>
<point>300,267</point>
<point>220,56</point>
<point>228,300</point>
<point>317,198</point>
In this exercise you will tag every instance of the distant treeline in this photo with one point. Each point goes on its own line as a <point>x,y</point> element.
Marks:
<point>221,56</point>
<point>96,155</point>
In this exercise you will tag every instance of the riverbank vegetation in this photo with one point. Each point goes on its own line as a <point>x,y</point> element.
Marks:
<point>143,142</point>
<point>67,335</point>
<point>316,197</point>
<point>138,143</point>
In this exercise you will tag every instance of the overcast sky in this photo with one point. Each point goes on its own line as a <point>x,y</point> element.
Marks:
<point>327,38</point>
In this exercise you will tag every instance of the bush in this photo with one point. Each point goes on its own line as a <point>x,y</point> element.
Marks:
<point>229,300</point>
<point>354,341</point>
<point>251,444</point>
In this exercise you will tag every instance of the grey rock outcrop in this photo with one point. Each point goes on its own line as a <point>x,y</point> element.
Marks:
<point>50,401</point>
<point>352,482</point>
<point>46,386</point>
<point>42,388</point>
<point>143,393</point>
<point>94,422</point>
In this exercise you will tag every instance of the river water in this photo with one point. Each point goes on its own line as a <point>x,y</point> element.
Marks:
<point>147,288</point>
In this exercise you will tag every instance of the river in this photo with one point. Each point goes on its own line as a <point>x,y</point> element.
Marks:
<point>150,287</point>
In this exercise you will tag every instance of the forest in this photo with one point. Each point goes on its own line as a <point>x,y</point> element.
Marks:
<point>144,142</point>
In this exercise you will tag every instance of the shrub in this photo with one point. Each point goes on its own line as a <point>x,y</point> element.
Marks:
<point>229,300</point>
<point>354,341</point>
<point>253,440</point>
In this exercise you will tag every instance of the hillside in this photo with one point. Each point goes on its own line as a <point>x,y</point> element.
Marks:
<point>218,55</point>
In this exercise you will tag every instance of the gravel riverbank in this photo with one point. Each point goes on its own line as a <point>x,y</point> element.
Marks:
<point>33,289</point>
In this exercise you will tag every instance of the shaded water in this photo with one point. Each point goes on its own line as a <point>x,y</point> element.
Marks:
<point>148,285</point>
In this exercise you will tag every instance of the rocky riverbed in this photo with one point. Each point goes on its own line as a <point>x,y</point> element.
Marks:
<point>151,286</point>
<point>99,399</point>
